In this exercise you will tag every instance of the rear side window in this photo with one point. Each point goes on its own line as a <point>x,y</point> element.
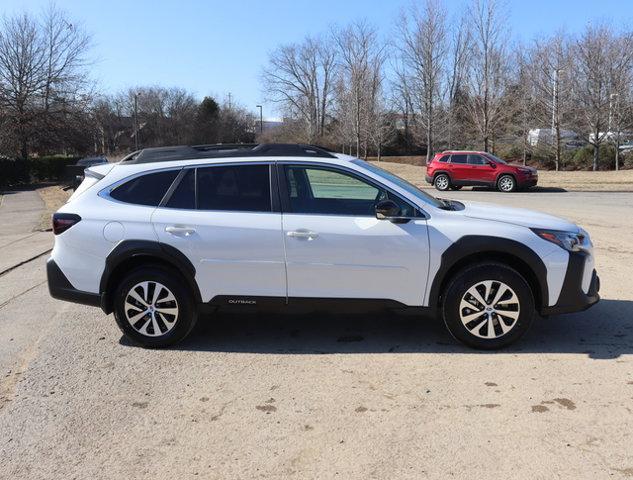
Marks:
<point>241,188</point>
<point>459,158</point>
<point>146,189</point>
<point>443,158</point>
<point>184,196</point>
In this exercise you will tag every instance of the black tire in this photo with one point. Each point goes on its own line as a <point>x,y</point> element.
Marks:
<point>456,187</point>
<point>442,182</point>
<point>458,288</point>
<point>172,281</point>
<point>506,184</point>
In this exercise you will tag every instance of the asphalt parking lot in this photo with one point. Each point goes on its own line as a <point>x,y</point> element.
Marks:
<point>317,396</point>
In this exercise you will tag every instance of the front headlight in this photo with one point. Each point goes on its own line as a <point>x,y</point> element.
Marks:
<point>570,241</point>
<point>524,170</point>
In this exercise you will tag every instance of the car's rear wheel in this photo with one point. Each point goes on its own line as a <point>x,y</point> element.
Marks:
<point>153,308</point>
<point>488,306</point>
<point>506,183</point>
<point>442,182</point>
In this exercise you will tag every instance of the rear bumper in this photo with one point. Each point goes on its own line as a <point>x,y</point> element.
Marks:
<point>572,298</point>
<point>61,289</point>
<point>428,179</point>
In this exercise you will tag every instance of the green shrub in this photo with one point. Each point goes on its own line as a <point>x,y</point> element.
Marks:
<point>583,158</point>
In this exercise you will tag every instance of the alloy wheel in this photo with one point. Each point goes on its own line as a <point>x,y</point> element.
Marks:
<point>489,309</point>
<point>151,309</point>
<point>441,182</point>
<point>506,184</point>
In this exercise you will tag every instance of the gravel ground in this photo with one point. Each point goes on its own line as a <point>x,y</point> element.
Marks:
<point>316,396</point>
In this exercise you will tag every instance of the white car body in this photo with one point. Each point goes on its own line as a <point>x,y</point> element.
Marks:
<point>239,256</point>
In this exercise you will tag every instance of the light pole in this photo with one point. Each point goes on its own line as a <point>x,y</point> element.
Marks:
<point>610,110</point>
<point>136,120</point>
<point>261,119</point>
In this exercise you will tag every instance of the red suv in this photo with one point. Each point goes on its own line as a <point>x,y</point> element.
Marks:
<point>453,170</point>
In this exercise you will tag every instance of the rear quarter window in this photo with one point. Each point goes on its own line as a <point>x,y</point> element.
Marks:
<point>147,189</point>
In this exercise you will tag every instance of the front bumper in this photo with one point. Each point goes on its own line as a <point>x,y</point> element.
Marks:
<point>61,289</point>
<point>526,182</point>
<point>572,298</point>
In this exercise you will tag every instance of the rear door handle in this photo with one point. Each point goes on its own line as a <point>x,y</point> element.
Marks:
<point>186,231</point>
<point>302,233</point>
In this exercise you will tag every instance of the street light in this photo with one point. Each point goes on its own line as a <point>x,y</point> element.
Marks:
<point>261,119</point>
<point>136,94</point>
<point>610,110</point>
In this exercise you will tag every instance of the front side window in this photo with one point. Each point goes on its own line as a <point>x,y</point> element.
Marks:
<point>476,160</point>
<point>316,190</point>
<point>240,188</point>
<point>146,189</point>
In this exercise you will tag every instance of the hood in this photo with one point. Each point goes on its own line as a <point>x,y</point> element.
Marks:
<point>518,165</point>
<point>517,216</point>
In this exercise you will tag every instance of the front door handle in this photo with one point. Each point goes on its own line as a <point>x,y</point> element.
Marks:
<point>186,231</point>
<point>302,233</point>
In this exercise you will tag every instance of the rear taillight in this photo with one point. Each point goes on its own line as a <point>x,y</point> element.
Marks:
<point>63,221</point>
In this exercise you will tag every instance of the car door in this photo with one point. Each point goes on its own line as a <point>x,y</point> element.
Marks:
<point>482,169</point>
<point>459,170</point>
<point>222,218</point>
<point>335,245</point>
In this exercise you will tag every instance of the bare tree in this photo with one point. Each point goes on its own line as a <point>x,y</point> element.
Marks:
<point>423,49</point>
<point>488,73</point>
<point>526,98</point>
<point>551,67</point>
<point>299,77</point>
<point>43,76</point>
<point>459,54</point>
<point>361,59</point>
<point>620,73</point>
<point>592,85</point>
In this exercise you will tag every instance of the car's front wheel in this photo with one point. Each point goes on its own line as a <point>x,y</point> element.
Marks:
<point>488,306</point>
<point>506,183</point>
<point>442,182</point>
<point>153,307</point>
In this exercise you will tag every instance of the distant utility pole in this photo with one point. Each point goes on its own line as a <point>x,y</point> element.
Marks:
<point>136,120</point>
<point>261,119</point>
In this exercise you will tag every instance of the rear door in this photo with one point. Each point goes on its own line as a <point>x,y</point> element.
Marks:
<point>459,167</point>
<point>335,246</point>
<point>223,218</point>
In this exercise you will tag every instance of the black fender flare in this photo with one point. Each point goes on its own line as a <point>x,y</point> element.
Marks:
<point>471,248</point>
<point>133,249</point>
<point>445,172</point>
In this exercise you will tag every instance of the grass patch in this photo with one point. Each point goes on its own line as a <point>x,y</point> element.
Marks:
<point>54,197</point>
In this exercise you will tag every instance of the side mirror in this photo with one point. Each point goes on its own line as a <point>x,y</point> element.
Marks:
<point>387,209</point>
<point>492,164</point>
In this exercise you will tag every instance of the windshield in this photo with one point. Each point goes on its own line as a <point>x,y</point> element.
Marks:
<point>496,159</point>
<point>409,187</point>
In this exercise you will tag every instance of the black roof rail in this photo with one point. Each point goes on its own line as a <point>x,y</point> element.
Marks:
<point>186,152</point>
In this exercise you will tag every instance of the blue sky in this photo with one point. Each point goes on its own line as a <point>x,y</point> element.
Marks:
<point>214,47</point>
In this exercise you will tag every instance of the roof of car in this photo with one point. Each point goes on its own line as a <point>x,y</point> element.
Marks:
<point>198,152</point>
<point>464,151</point>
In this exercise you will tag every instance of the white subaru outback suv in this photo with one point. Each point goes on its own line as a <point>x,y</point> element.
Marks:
<point>169,233</point>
